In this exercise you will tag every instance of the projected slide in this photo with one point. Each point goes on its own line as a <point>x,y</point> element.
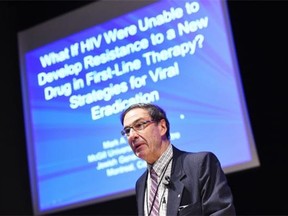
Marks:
<point>177,54</point>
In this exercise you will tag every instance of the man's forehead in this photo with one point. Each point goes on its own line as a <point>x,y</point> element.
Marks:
<point>134,115</point>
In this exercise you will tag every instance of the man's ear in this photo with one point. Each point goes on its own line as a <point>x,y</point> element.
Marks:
<point>163,126</point>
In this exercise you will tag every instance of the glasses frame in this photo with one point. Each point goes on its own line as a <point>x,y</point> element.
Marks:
<point>141,125</point>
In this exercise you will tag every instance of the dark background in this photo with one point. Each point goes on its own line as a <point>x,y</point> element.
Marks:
<point>259,29</point>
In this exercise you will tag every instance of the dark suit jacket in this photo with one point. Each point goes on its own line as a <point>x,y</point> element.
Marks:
<point>198,182</point>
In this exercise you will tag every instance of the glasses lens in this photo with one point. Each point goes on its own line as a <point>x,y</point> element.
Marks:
<point>125,131</point>
<point>139,126</point>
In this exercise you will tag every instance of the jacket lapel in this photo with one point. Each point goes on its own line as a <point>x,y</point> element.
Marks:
<point>176,188</point>
<point>141,193</point>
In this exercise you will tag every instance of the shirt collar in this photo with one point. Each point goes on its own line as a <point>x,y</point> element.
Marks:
<point>160,164</point>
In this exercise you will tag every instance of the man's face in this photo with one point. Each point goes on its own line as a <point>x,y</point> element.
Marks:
<point>146,142</point>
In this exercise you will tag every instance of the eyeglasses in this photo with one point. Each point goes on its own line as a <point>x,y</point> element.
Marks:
<point>138,126</point>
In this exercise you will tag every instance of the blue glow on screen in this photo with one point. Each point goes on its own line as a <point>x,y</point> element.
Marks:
<point>186,64</point>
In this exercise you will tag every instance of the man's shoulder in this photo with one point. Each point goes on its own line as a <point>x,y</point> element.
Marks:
<point>190,155</point>
<point>192,158</point>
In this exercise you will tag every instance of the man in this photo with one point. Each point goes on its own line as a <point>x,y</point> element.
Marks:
<point>186,183</point>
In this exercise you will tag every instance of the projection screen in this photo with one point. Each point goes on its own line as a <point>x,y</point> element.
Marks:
<point>80,70</point>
